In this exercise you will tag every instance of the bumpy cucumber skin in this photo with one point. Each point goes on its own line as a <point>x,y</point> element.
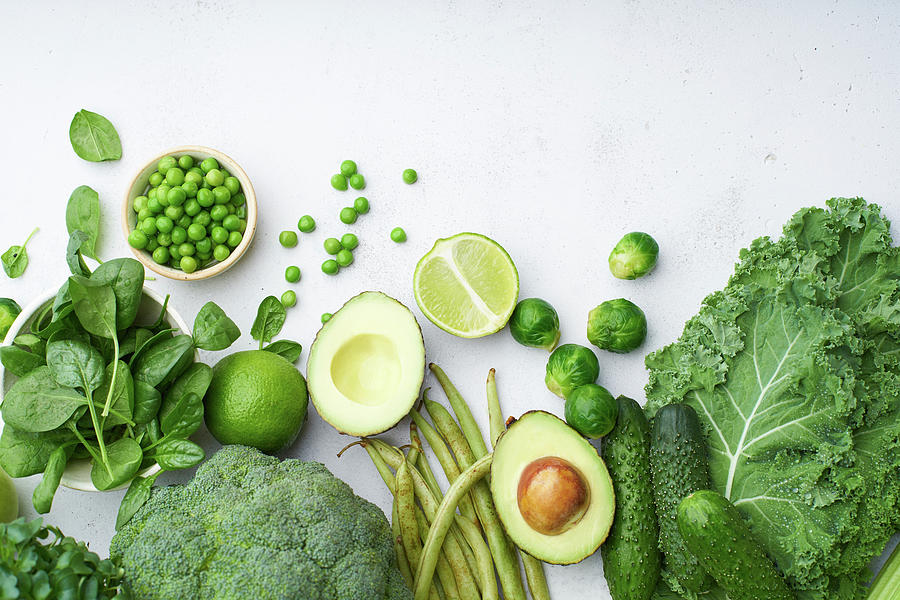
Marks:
<point>631,560</point>
<point>679,462</point>
<point>715,533</point>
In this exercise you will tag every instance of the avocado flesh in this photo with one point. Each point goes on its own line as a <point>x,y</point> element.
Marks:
<point>367,365</point>
<point>538,435</point>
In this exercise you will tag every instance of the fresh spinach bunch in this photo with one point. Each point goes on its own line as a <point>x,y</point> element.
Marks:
<point>270,317</point>
<point>96,384</point>
<point>40,562</point>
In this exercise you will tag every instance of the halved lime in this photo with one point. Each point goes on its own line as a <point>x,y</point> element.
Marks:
<point>467,285</point>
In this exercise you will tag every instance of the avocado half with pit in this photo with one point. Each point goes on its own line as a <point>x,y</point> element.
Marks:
<point>366,365</point>
<point>551,489</point>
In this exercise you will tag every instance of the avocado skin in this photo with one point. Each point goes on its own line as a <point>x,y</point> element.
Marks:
<point>715,533</point>
<point>680,466</point>
<point>631,559</point>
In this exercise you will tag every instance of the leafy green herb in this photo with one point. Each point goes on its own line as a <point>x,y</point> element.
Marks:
<point>95,306</point>
<point>173,454</point>
<point>83,214</point>
<point>37,403</point>
<point>185,418</point>
<point>164,361</point>
<point>137,495</point>
<point>15,260</point>
<point>147,401</point>
<point>270,319</point>
<point>74,362</point>
<point>23,454</point>
<point>125,457</point>
<point>94,138</point>
<point>195,380</point>
<point>213,330</point>
<point>288,349</point>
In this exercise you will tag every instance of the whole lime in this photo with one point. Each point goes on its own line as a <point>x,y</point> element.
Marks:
<point>9,502</point>
<point>256,398</point>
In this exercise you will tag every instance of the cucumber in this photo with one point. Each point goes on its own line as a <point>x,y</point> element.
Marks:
<point>680,466</point>
<point>715,533</point>
<point>631,560</point>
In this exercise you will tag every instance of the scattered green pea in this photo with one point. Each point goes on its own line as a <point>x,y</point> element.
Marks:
<point>357,182</point>
<point>339,182</point>
<point>344,258</point>
<point>349,241</point>
<point>292,274</point>
<point>361,205</point>
<point>398,235</point>
<point>287,238</point>
<point>410,176</point>
<point>348,168</point>
<point>330,267</point>
<point>289,299</point>
<point>348,215</point>
<point>306,224</point>
<point>332,246</point>
<point>326,317</point>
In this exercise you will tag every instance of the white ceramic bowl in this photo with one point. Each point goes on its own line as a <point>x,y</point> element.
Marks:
<point>78,472</point>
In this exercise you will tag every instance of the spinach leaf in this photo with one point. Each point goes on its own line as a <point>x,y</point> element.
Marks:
<point>185,418</point>
<point>288,349</point>
<point>19,362</point>
<point>164,361</point>
<point>83,214</point>
<point>74,362</point>
<point>149,343</point>
<point>23,454</point>
<point>44,317</point>
<point>134,338</point>
<point>93,137</point>
<point>146,402</point>
<point>38,403</point>
<point>269,320</point>
<point>62,297</point>
<point>124,457</point>
<point>63,320</point>
<point>172,454</point>
<point>95,306</point>
<point>126,277</point>
<point>42,498</point>
<point>122,396</point>
<point>137,495</point>
<point>31,342</point>
<point>16,258</point>
<point>195,380</point>
<point>77,266</point>
<point>213,330</point>
<point>161,323</point>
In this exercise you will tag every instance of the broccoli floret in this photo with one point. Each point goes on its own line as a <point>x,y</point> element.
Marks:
<point>249,526</point>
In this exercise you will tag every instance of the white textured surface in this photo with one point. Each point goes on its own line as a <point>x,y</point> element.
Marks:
<point>551,127</point>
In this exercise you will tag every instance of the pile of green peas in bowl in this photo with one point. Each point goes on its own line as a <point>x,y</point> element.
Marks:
<point>192,214</point>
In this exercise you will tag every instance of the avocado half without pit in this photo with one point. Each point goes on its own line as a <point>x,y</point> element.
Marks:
<point>366,365</point>
<point>551,489</point>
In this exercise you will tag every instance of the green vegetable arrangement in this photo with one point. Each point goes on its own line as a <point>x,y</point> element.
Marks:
<point>794,372</point>
<point>251,526</point>
<point>40,562</point>
<point>95,384</point>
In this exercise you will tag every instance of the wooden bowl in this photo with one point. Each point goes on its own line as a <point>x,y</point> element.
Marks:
<point>139,186</point>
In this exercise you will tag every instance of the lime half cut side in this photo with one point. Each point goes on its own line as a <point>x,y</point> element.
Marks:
<point>467,285</point>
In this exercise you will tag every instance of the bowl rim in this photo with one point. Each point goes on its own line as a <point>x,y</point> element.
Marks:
<point>26,315</point>
<point>217,268</point>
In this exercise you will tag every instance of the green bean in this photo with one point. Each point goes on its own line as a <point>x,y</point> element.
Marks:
<point>445,572</point>
<point>463,414</point>
<point>422,461</point>
<point>482,556</point>
<point>402,561</point>
<point>495,415</point>
<point>406,510</point>
<point>534,575</point>
<point>443,519</point>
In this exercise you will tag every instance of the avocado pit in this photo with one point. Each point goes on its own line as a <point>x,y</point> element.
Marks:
<point>552,495</point>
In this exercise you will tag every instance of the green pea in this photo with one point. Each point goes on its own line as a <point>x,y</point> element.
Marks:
<point>204,248</point>
<point>218,212</point>
<point>289,298</point>
<point>203,257</point>
<point>164,224</point>
<point>344,258</point>
<point>357,182</point>
<point>137,239</point>
<point>197,170</point>
<point>349,241</point>
<point>164,239</point>
<point>221,252</point>
<point>339,182</point>
<point>148,226</point>
<point>179,235</point>
<point>241,211</point>
<point>186,249</point>
<point>326,317</point>
<point>176,196</point>
<point>144,214</point>
<point>162,193</point>
<point>152,245</point>
<point>161,255</point>
<point>151,194</point>
<point>330,267</point>
<point>205,198</point>
<point>215,178</point>
<point>348,215</point>
<point>154,206</point>
<point>174,254</point>
<point>190,188</point>
<point>242,225</point>
<point>398,235</point>
<point>203,218</point>
<point>174,212</point>
<point>219,234</point>
<point>194,176</point>
<point>233,185</point>
<point>139,203</point>
<point>196,232</point>
<point>286,238</point>
<point>225,173</point>
<point>231,208</point>
<point>410,176</point>
<point>192,207</point>
<point>221,194</point>
<point>174,176</point>
<point>166,163</point>
<point>188,264</point>
<point>332,246</point>
<point>208,164</point>
<point>234,238</point>
<point>185,161</point>
<point>292,274</point>
<point>238,198</point>
<point>184,222</point>
<point>156,178</point>
<point>232,223</point>
<point>306,224</point>
<point>348,168</point>
<point>361,205</point>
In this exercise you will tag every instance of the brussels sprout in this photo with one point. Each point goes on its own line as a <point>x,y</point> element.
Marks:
<point>9,310</point>
<point>634,256</point>
<point>617,325</point>
<point>535,323</point>
<point>591,410</point>
<point>571,366</point>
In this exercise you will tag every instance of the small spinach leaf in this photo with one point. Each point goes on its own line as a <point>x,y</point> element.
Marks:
<point>213,330</point>
<point>146,402</point>
<point>31,342</point>
<point>74,362</point>
<point>164,361</point>
<point>95,306</point>
<point>42,498</point>
<point>149,343</point>
<point>93,137</point>
<point>172,454</point>
<point>269,320</point>
<point>16,258</point>
<point>37,403</point>
<point>124,457</point>
<point>137,495</point>
<point>185,418</point>
<point>195,380</point>
<point>77,266</point>
<point>83,214</point>
<point>126,277</point>
<point>23,454</point>
<point>286,348</point>
<point>19,362</point>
